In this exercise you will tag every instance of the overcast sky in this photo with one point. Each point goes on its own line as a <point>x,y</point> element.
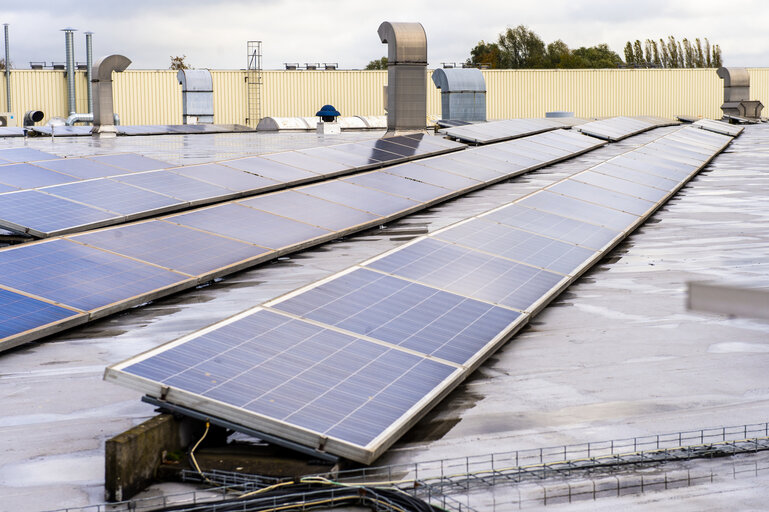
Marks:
<point>213,34</point>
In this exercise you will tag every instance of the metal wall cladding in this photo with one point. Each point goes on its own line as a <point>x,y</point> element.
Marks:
<point>155,96</point>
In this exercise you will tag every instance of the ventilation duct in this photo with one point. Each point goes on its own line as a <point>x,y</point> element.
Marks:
<point>463,93</point>
<point>406,76</point>
<point>737,100</point>
<point>70,61</point>
<point>197,96</point>
<point>103,107</point>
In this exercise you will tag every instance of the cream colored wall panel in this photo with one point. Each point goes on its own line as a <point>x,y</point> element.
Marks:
<point>147,97</point>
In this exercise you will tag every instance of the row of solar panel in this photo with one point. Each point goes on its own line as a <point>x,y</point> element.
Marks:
<point>93,274</point>
<point>719,127</point>
<point>80,205</point>
<point>156,129</point>
<point>496,131</point>
<point>350,362</point>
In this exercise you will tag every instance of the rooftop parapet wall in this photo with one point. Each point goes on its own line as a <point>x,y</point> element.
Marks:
<point>154,96</point>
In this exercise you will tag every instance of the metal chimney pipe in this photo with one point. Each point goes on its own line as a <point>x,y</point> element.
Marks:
<point>70,49</point>
<point>7,71</point>
<point>89,64</point>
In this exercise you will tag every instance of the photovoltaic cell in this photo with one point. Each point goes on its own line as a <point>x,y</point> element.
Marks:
<point>22,313</point>
<point>6,188</point>
<point>579,210</point>
<point>469,273</point>
<point>310,210</point>
<point>131,162</point>
<point>368,152</point>
<point>175,185</point>
<point>30,176</point>
<point>114,196</point>
<point>172,246</point>
<point>81,168</point>
<point>621,185</point>
<point>465,168</point>
<point>626,173</point>
<point>374,201</point>
<point>602,196</point>
<point>433,176</point>
<point>24,155</point>
<point>328,153</point>
<point>300,374</point>
<point>44,214</point>
<point>648,166</point>
<point>398,185</point>
<point>403,313</point>
<point>552,225</point>
<point>79,276</point>
<point>308,162</point>
<point>250,225</point>
<point>501,240</point>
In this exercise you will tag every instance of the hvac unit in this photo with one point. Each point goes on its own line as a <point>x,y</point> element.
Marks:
<point>7,119</point>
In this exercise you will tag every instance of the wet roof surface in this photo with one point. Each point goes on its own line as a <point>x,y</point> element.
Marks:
<point>616,355</point>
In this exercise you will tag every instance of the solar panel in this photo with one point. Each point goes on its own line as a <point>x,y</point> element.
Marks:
<point>233,179</point>
<point>310,163</point>
<point>361,198</point>
<point>6,188</point>
<point>116,197</point>
<point>495,131</point>
<point>22,313</point>
<point>611,169</point>
<point>579,210</point>
<point>172,246</point>
<point>468,272</point>
<point>81,168</point>
<point>247,224</point>
<point>310,210</point>
<point>464,168</point>
<point>402,313</point>
<point>425,174</point>
<point>353,160</point>
<point>24,155</point>
<point>271,169</point>
<point>81,277</point>
<point>602,196</point>
<point>622,185</point>
<point>615,128</point>
<point>22,176</point>
<point>175,185</point>
<point>491,237</point>
<point>391,145</point>
<point>370,152</point>
<point>404,187</point>
<point>62,131</point>
<point>42,215</point>
<point>131,162</point>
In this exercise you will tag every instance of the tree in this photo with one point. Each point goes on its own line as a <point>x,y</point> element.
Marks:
<point>638,52</point>
<point>716,61</point>
<point>629,55</point>
<point>699,60</point>
<point>377,64</point>
<point>485,55</point>
<point>521,48</point>
<point>597,57</point>
<point>2,64</point>
<point>178,63</point>
<point>558,55</point>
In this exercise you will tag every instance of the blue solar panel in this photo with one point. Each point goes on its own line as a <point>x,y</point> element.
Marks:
<point>295,372</point>
<point>621,185</point>
<point>403,313</point>
<point>131,162</point>
<point>552,225</point>
<point>579,210</point>
<point>374,201</point>
<point>115,196</point>
<point>244,223</point>
<point>310,210</point>
<point>271,169</point>
<point>6,188</point>
<point>25,155</point>
<point>488,236</point>
<point>399,186</point>
<point>175,185</point>
<point>79,276</point>
<point>602,196</point>
<point>233,179</point>
<point>469,273</point>
<point>21,313</point>
<point>44,214</point>
<point>31,176</point>
<point>172,246</point>
<point>81,168</point>
<point>370,152</point>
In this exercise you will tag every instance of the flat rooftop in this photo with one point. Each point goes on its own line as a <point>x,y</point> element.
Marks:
<point>616,355</point>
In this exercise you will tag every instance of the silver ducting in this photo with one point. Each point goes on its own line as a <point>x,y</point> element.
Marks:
<point>103,107</point>
<point>70,51</point>
<point>406,75</point>
<point>463,93</point>
<point>737,100</point>
<point>87,118</point>
<point>197,96</point>
<point>89,65</point>
<point>7,71</point>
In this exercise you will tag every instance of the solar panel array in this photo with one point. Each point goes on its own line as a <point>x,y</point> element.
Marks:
<point>348,364</point>
<point>719,127</point>
<point>152,129</point>
<point>618,128</point>
<point>496,131</point>
<point>65,200</point>
<point>108,267</point>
